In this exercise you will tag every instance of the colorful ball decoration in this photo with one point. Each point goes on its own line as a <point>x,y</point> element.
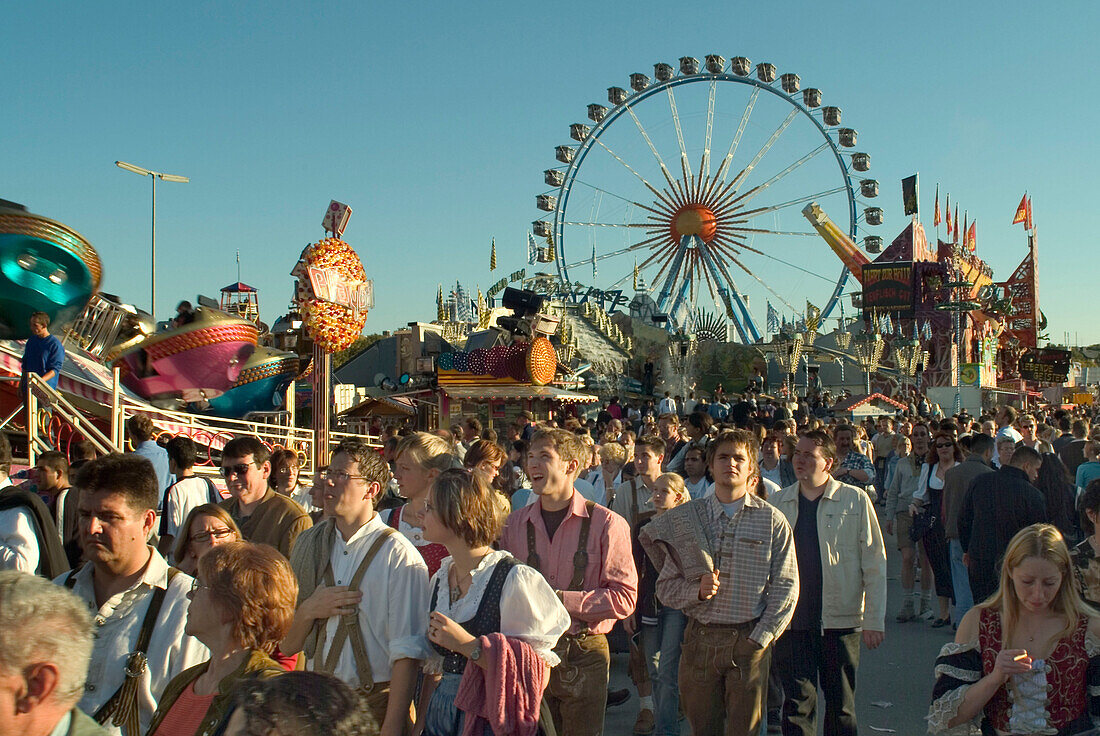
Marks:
<point>479,361</point>
<point>446,361</point>
<point>542,361</point>
<point>332,326</point>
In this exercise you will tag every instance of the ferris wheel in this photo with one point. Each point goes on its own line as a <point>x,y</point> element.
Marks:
<point>691,185</point>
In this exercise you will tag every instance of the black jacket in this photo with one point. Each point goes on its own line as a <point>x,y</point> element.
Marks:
<point>996,506</point>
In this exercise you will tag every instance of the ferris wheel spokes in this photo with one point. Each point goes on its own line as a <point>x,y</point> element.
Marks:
<point>660,161</point>
<point>679,138</point>
<point>724,168</point>
<point>660,196</point>
<point>705,162</point>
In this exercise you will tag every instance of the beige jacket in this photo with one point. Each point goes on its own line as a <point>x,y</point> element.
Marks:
<point>853,555</point>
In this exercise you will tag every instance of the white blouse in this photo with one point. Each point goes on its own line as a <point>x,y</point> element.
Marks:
<point>529,610</point>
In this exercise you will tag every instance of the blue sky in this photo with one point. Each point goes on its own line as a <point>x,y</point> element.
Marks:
<point>434,121</point>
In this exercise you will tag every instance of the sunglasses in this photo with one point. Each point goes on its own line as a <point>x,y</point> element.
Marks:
<point>238,469</point>
<point>942,445</point>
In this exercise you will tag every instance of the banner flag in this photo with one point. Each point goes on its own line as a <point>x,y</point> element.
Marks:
<point>947,217</point>
<point>1029,224</point>
<point>1021,211</point>
<point>972,236</point>
<point>936,215</point>
<point>773,319</point>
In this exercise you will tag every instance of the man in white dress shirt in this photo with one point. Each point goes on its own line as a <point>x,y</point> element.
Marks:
<point>129,587</point>
<point>45,645</point>
<point>634,499</point>
<point>352,563</point>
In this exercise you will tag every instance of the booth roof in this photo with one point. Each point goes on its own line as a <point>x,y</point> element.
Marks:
<point>516,391</point>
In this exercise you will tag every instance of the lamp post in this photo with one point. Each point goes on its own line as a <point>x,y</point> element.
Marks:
<point>958,303</point>
<point>787,351</point>
<point>868,348</point>
<point>153,175</point>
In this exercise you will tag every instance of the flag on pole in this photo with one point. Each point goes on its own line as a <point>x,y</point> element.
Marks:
<point>947,216</point>
<point>635,274</point>
<point>1021,211</point>
<point>1029,224</point>
<point>773,319</point>
<point>955,236</point>
<point>594,272</point>
<point>966,228</point>
<point>493,256</point>
<point>972,236</point>
<point>532,250</point>
<point>936,215</point>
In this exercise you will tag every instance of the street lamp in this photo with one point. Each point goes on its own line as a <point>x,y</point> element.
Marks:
<point>786,352</point>
<point>868,348</point>
<point>153,175</point>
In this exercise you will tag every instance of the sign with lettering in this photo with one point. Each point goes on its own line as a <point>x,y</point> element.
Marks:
<point>1046,365</point>
<point>329,286</point>
<point>888,287</point>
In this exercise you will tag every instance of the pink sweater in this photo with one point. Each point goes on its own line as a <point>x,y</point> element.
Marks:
<point>507,693</point>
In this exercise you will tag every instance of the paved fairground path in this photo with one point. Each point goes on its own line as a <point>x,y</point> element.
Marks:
<point>893,686</point>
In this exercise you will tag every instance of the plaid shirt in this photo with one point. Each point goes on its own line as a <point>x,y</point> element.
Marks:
<point>857,461</point>
<point>758,578</point>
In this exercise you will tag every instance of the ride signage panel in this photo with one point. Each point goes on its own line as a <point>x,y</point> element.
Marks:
<point>888,287</point>
<point>330,286</point>
<point>1046,365</point>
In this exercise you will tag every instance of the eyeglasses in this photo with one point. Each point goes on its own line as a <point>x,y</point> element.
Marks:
<point>338,476</point>
<point>238,469</point>
<point>212,534</point>
<point>195,585</point>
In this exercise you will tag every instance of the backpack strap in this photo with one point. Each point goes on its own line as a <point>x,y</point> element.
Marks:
<point>580,558</point>
<point>122,708</point>
<point>532,552</point>
<point>212,491</point>
<point>633,502</point>
<point>349,628</point>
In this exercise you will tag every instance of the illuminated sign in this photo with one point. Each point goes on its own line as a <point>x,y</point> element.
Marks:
<point>329,286</point>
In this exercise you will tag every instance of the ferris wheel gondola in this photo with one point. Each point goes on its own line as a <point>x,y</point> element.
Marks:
<point>710,216</point>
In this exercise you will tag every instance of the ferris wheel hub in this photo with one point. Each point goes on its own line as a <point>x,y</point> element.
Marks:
<point>694,219</point>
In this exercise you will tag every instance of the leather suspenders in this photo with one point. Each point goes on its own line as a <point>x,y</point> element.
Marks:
<point>580,557</point>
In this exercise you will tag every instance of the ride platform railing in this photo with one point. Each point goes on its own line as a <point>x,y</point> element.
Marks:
<point>55,423</point>
<point>58,423</point>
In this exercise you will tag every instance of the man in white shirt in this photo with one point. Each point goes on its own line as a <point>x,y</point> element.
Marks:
<point>1005,418</point>
<point>129,587</point>
<point>634,499</point>
<point>695,471</point>
<point>186,493</point>
<point>353,563</point>
<point>45,645</point>
<point>24,546</point>
<point>667,405</point>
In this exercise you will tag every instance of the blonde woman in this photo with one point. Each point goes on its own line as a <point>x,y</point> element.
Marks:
<point>418,459</point>
<point>1027,660</point>
<point>660,627</point>
<point>610,471</point>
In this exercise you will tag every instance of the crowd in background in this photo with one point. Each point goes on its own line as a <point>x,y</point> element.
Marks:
<point>469,580</point>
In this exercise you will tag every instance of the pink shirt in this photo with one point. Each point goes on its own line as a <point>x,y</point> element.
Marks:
<point>610,588</point>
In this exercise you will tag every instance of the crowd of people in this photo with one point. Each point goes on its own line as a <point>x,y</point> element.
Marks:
<point>463,582</point>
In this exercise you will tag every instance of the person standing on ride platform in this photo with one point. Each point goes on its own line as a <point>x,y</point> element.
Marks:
<point>43,355</point>
<point>727,561</point>
<point>584,552</point>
